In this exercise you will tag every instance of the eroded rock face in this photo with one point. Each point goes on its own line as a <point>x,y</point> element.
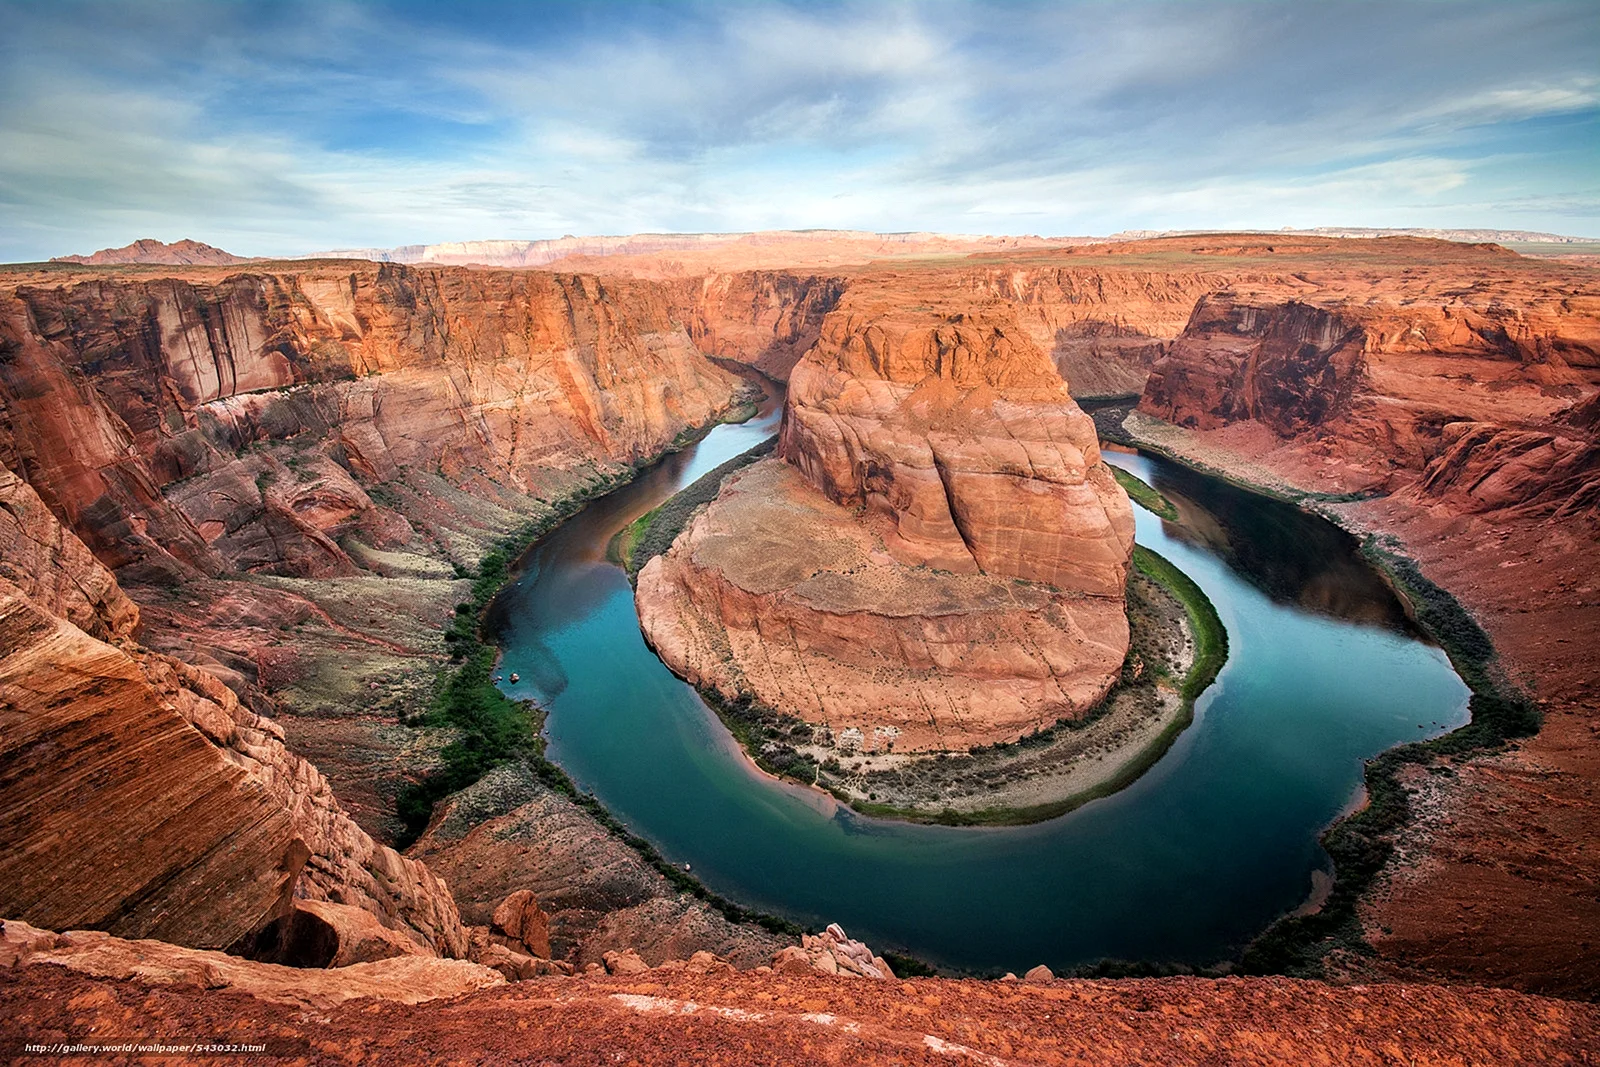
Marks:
<point>955,433</point>
<point>937,560</point>
<point>1290,366</point>
<point>53,568</point>
<point>141,797</point>
<point>776,592</point>
<point>1456,383</point>
<point>140,411</point>
<point>767,319</point>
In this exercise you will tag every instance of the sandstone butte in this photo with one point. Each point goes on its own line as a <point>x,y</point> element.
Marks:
<point>936,556</point>
<point>238,499</point>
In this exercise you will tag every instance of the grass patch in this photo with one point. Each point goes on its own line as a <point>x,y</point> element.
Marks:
<point>1145,495</point>
<point>653,533</point>
<point>491,728</point>
<point>742,412</point>
<point>1210,636</point>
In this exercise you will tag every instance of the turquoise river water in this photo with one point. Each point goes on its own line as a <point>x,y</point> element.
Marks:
<point>1187,864</point>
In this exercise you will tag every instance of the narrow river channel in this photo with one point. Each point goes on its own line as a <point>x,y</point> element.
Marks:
<point>1186,864</point>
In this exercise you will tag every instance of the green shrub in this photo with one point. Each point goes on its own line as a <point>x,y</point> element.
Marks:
<point>654,533</point>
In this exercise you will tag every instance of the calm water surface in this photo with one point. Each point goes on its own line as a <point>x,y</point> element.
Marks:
<point>1186,864</point>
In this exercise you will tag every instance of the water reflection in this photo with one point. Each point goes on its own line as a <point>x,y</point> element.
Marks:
<point>1292,556</point>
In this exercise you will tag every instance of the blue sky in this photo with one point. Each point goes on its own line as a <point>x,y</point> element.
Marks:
<point>278,128</point>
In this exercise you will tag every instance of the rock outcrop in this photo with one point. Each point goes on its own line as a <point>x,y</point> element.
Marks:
<point>937,560</point>
<point>962,444</point>
<point>831,952</point>
<point>776,592</point>
<point>589,892</point>
<point>26,951</point>
<point>139,796</point>
<point>427,1011</point>
<point>1289,366</point>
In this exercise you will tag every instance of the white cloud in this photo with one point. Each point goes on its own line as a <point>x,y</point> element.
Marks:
<point>280,130</point>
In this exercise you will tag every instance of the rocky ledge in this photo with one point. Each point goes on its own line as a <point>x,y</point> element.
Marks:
<point>95,989</point>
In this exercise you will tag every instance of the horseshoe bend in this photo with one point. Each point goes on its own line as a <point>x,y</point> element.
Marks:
<point>848,618</point>
<point>245,504</point>
<point>936,543</point>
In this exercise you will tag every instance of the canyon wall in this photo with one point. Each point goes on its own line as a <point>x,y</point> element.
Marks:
<point>766,319</point>
<point>936,559</point>
<point>1443,399</point>
<point>288,472</point>
<point>137,794</point>
<point>186,427</point>
<point>238,504</point>
<point>1104,324</point>
<point>1480,398</point>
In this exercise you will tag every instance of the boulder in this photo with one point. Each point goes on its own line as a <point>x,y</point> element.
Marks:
<point>792,960</point>
<point>520,918</point>
<point>625,962</point>
<point>704,962</point>
<point>318,933</point>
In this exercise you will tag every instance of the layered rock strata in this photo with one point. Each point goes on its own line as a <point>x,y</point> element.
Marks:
<point>138,795</point>
<point>289,470</point>
<point>961,443</point>
<point>937,560</point>
<point>1458,389</point>
<point>1379,381</point>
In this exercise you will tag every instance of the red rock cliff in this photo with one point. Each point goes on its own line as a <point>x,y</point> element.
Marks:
<point>955,430</point>
<point>334,427</point>
<point>937,560</point>
<point>138,796</point>
<point>118,391</point>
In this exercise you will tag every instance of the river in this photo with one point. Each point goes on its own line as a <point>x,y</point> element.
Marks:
<point>1186,865</point>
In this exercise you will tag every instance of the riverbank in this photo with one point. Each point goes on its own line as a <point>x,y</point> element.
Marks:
<point>1177,646</point>
<point>492,729</point>
<point>653,532</point>
<point>1146,496</point>
<point>1362,844</point>
<point>497,738</point>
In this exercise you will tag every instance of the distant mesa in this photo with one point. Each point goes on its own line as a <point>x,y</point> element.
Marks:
<point>185,253</point>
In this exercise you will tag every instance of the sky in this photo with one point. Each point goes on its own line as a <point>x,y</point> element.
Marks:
<point>277,128</point>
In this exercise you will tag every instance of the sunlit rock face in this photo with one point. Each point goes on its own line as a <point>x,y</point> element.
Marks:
<point>936,559</point>
<point>956,434</point>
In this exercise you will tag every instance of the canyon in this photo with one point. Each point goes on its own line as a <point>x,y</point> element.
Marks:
<point>240,504</point>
